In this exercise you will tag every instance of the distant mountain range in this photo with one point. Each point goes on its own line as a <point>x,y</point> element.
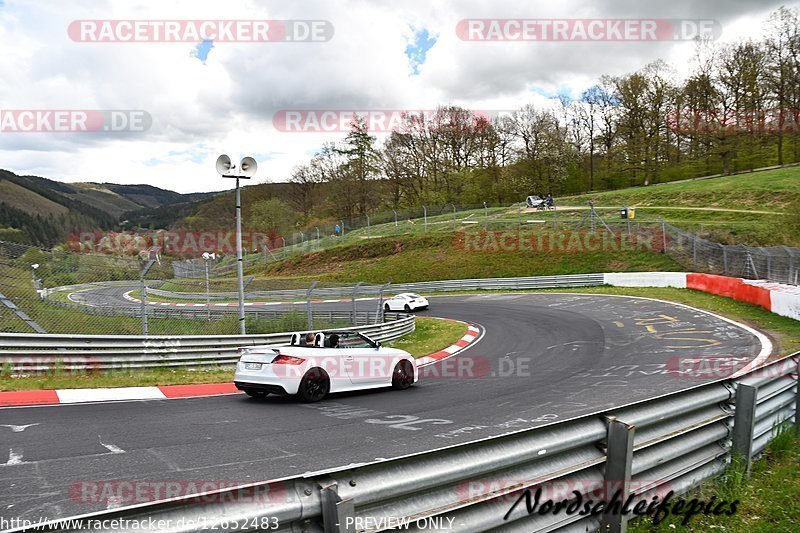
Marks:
<point>43,212</point>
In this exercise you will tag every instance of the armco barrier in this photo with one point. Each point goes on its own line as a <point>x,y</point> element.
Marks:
<point>645,449</point>
<point>778,298</point>
<point>35,353</point>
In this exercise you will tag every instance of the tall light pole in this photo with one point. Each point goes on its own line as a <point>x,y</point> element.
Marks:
<point>247,169</point>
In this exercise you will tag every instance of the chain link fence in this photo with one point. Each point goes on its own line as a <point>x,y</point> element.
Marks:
<point>776,263</point>
<point>56,291</point>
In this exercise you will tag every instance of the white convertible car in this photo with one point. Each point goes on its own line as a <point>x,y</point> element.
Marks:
<point>407,301</point>
<point>333,361</point>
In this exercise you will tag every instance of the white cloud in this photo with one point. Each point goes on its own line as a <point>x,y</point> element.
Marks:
<point>227,104</point>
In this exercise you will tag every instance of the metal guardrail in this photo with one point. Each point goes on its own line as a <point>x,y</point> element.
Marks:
<point>35,353</point>
<point>214,313</point>
<point>531,282</point>
<point>671,443</point>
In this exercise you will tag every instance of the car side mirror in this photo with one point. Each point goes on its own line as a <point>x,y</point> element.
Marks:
<point>377,345</point>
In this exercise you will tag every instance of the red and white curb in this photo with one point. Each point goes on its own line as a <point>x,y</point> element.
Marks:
<point>130,298</point>
<point>163,392</point>
<point>473,335</point>
<point>115,394</point>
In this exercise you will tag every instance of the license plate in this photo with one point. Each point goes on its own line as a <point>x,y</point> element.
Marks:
<point>252,366</point>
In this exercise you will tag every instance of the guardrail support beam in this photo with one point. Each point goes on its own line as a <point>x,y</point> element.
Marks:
<point>744,423</point>
<point>619,457</point>
<point>336,511</point>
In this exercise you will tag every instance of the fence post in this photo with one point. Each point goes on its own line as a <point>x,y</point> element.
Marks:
<point>791,265</point>
<point>425,215</point>
<point>318,244</point>
<point>519,217</point>
<point>724,259</point>
<point>379,315</point>
<point>342,221</point>
<point>619,458</point>
<point>663,236</point>
<point>308,305</point>
<point>369,230</point>
<point>694,252</point>
<point>485,217</point>
<point>744,422</point>
<point>395,223</point>
<point>353,297</point>
<point>455,220</point>
<point>143,305</point>
<point>555,216</point>
<point>769,266</point>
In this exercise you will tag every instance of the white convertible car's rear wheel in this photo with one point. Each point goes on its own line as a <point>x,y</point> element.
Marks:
<point>314,386</point>
<point>386,307</point>
<point>403,375</point>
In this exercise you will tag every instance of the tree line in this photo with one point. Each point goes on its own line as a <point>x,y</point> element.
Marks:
<point>737,109</point>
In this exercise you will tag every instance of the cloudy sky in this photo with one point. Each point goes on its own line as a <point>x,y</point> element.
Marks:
<point>213,97</point>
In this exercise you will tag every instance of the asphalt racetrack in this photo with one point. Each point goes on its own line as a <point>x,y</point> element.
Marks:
<point>542,358</point>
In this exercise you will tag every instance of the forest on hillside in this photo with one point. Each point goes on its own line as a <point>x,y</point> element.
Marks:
<point>736,110</point>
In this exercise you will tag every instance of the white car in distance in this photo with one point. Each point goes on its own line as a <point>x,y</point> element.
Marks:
<point>335,361</point>
<point>407,301</point>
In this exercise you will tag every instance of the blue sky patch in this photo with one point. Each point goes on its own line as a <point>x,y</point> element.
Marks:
<point>202,50</point>
<point>417,50</point>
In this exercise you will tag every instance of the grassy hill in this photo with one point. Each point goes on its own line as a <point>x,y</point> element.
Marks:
<point>442,256</point>
<point>767,190</point>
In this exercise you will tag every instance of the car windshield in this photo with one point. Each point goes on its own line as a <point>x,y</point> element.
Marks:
<point>410,295</point>
<point>353,340</point>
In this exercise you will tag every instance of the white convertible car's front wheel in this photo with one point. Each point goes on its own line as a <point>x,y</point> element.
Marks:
<point>403,375</point>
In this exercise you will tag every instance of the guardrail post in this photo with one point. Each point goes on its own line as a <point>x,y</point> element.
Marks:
<point>619,457</point>
<point>744,422</point>
<point>335,510</point>
<point>308,305</point>
<point>797,399</point>
<point>663,236</point>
